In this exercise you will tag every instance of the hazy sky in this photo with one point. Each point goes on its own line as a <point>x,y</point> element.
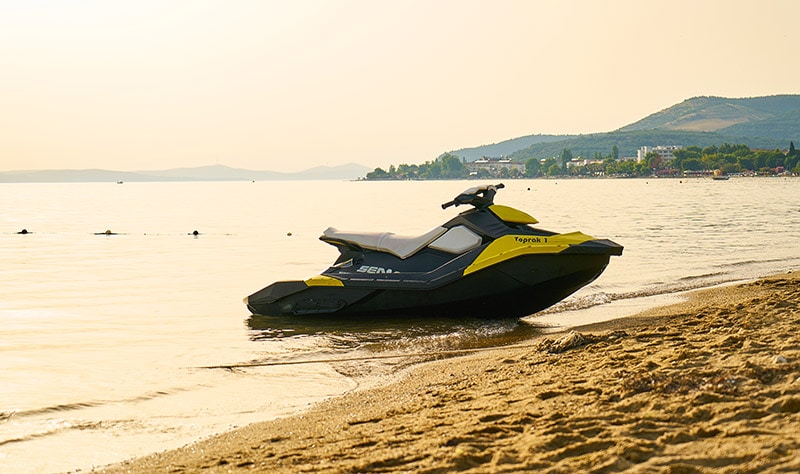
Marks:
<point>291,84</point>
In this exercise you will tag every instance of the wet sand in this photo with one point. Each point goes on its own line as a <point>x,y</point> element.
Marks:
<point>709,385</point>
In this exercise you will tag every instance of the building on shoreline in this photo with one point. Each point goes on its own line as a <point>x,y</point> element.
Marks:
<point>666,151</point>
<point>494,166</point>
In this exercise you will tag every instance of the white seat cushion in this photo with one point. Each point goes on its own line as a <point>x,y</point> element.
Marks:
<point>457,240</point>
<point>399,245</point>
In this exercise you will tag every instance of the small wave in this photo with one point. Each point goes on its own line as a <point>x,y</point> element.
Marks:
<point>581,302</point>
<point>470,334</point>
<point>58,408</point>
<point>57,427</point>
<point>85,405</point>
<point>687,284</point>
<point>30,436</point>
<point>745,263</point>
<point>704,275</point>
<point>740,264</point>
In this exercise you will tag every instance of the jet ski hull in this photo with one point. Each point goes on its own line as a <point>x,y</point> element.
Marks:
<point>513,288</point>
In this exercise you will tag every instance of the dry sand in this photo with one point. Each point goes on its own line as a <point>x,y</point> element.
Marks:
<point>710,385</point>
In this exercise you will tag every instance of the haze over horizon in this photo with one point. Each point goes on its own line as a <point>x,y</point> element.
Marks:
<point>288,86</point>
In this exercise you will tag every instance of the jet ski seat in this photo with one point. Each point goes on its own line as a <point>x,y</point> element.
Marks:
<point>456,240</point>
<point>399,245</point>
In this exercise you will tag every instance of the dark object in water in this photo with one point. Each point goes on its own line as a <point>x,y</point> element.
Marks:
<point>488,261</point>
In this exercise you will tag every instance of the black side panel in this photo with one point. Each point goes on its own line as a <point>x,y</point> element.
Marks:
<point>277,291</point>
<point>514,288</point>
<point>310,300</point>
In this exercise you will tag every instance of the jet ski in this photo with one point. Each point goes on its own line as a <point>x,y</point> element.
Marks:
<point>488,261</point>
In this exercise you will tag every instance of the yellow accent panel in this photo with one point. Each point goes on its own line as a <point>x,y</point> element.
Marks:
<point>511,246</point>
<point>509,214</point>
<point>322,280</point>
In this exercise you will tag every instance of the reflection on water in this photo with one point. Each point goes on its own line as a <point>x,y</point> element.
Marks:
<point>392,335</point>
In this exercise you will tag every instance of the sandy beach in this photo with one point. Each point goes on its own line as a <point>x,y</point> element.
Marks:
<point>708,385</point>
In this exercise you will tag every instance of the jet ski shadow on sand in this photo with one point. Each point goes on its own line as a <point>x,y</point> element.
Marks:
<point>487,262</point>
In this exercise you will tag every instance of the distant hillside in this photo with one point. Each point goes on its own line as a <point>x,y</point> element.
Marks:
<point>711,114</point>
<point>758,122</point>
<point>507,147</point>
<point>781,126</point>
<point>203,173</point>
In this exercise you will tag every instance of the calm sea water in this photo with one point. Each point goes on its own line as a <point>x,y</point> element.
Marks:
<point>103,337</point>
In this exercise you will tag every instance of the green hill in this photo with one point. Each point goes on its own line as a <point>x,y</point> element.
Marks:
<point>506,147</point>
<point>759,122</point>
<point>711,114</point>
<point>780,127</point>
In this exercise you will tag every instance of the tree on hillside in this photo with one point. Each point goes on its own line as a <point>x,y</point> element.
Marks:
<point>452,167</point>
<point>379,173</point>
<point>746,163</point>
<point>615,152</point>
<point>532,168</point>
<point>692,164</point>
<point>684,154</point>
<point>627,167</point>
<point>792,159</point>
<point>653,160</point>
<point>431,170</point>
<point>547,166</point>
<point>566,157</point>
<point>483,173</point>
<point>405,171</point>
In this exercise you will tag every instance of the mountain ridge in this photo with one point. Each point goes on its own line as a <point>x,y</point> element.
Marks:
<point>712,113</point>
<point>767,122</point>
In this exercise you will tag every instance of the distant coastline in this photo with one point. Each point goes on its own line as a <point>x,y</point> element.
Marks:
<point>204,173</point>
<point>659,162</point>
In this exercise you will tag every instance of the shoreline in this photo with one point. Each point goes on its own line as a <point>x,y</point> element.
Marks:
<point>708,384</point>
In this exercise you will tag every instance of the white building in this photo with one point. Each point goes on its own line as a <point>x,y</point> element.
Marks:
<point>582,162</point>
<point>494,165</point>
<point>664,150</point>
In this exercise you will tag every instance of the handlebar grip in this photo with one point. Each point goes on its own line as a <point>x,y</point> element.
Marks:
<point>448,204</point>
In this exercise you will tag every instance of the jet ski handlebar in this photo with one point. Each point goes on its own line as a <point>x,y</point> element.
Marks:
<point>479,196</point>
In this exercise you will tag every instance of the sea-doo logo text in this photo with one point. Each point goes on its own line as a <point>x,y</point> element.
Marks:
<point>368,269</point>
<point>530,240</point>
